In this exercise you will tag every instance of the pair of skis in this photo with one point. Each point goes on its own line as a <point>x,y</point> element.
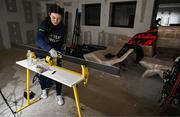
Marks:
<point>76,32</point>
<point>171,88</point>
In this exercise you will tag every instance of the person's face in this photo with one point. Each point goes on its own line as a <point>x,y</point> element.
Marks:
<point>55,18</point>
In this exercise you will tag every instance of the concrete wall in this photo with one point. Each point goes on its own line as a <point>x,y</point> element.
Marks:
<point>17,27</point>
<point>142,22</point>
<point>1,38</point>
<point>18,22</point>
<point>70,6</point>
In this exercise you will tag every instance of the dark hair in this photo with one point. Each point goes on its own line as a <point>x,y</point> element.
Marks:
<point>56,9</point>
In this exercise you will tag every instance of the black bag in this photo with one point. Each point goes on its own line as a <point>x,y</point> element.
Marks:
<point>123,50</point>
<point>109,56</point>
<point>137,49</point>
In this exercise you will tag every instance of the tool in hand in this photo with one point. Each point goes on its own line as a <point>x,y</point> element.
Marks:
<point>53,61</point>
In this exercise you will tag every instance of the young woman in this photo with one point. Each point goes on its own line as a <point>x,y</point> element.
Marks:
<point>50,37</point>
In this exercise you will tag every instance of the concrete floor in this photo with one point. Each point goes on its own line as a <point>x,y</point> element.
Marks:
<point>105,95</point>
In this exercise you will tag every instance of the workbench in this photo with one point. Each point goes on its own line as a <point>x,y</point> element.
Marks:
<point>59,74</point>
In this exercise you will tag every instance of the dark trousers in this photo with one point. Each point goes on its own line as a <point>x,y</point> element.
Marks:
<point>46,82</point>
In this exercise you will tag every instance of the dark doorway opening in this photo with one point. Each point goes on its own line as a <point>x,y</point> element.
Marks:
<point>168,11</point>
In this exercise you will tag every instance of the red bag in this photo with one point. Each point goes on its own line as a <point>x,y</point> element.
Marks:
<point>145,38</point>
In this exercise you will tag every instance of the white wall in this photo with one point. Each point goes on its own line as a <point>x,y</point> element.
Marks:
<point>142,22</point>
<point>148,10</point>
<point>4,29</point>
<point>17,17</point>
<point>70,6</point>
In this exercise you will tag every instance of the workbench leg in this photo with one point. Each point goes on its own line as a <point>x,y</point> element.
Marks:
<point>76,95</point>
<point>28,85</point>
<point>28,92</point>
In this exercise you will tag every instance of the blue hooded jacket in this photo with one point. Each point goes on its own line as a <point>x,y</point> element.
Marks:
<point>50,36</point>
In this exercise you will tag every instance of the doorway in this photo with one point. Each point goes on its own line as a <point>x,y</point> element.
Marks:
<point>168,11</point>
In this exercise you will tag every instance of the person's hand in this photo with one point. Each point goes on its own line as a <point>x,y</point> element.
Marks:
<point>53,53</point>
